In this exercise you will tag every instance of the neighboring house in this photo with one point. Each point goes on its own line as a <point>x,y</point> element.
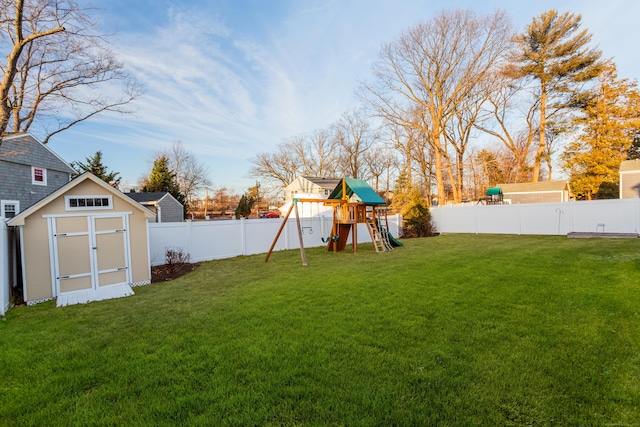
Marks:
<point>29,171</point>
<point>630,179</point>
<point>310,185</point>
<point>536,192</point>
<point>84,242</point>
<point>163,204</point>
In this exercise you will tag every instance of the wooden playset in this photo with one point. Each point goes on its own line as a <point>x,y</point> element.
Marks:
<point>353,202</point>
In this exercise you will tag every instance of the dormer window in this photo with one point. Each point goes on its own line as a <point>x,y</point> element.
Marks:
<point>73,203</point>
<point>38,176</point>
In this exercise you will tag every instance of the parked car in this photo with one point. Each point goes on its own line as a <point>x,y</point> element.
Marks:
<point>269,215</point>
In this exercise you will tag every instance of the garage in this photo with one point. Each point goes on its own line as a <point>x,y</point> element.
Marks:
<point>92,238</point>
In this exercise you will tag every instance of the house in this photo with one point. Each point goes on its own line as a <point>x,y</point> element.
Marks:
<point>84,242</point>
<point>163,204</point>
<point>310,185</point>
<point>29,171</point>
<point>536,192</point>
<point>630,179</point>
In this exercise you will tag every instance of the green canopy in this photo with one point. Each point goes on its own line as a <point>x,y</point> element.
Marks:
<point>494,191</point>
<point>360,188</point>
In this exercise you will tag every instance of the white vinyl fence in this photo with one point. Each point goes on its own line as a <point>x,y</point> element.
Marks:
<point>609,216</point>
<point>4,267</point>
<point>208,240</point>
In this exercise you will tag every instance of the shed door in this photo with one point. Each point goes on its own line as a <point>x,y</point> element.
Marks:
<point>72,251</point>
<point>90,252</point>
<point>110,250</point>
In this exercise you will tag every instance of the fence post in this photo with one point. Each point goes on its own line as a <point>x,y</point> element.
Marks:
<point>519,219</point>
<point>635,214</point>
<point>4,267</point>
<point>477,212</point>
<point>190,238</point>
<point>243,236</point>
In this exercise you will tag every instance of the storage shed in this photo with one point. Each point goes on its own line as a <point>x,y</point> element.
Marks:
<point>86,241</point>
<point>166,207</point>
<point>630,179</point>
<point>536,192</point>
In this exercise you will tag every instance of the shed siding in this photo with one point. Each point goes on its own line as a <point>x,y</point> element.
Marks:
<point>555,196</point>
<point>37,252</point>
<point>629,185</point>
<point>170,210</point>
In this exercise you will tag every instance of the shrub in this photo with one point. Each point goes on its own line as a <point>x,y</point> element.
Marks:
<point>175,258</point>
<point>408,200</point>
<point>417,219</point>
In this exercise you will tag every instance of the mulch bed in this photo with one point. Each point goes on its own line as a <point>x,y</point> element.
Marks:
<point>166,272</point>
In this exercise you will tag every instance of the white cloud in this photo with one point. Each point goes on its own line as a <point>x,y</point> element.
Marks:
<point>230,86</point>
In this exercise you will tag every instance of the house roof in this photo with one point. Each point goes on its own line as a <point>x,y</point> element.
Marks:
<point>630,165</point>
<point>360,189</point>
<point>20,218</point>
<point>152,196</point>
<point>534,187</point>
<point>326,183</point>
<point>309,184</point>
<point>23,148</point>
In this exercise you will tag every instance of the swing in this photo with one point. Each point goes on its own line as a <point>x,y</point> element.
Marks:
<point>330,237</point>
<point>309,220</point>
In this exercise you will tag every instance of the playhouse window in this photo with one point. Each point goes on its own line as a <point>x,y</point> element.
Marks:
<point>87,202</point>
<point>38,176</point>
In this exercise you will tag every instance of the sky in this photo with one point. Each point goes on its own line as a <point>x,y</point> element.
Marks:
<point>234,78</point>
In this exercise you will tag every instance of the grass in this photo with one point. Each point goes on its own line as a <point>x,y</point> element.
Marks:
<point>456,330</point>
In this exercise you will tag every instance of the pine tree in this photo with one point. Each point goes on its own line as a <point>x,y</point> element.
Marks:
<point>95,166</point>
<point>244,206</point>
<point>408,200</point>
<point>553,50</point>
<point>609,125</point>
<point>162,178</point>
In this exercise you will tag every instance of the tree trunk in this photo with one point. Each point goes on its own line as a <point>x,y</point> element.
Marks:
<point>542,146</point>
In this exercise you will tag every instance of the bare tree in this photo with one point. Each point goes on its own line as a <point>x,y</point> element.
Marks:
<point>403,139</point>
<point>278,168</point>
<point>379,163</point>
<point>432,68</point>
<point>425,160</point>
<point>191,175</point>
<point>355,135</point>
<point>56,65</point>
<point>511,118</point>
<point>313,154</point>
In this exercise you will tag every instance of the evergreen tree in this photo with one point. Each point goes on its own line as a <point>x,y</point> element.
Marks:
<point>633,152</point>
<point>609,125</point>
<point>162,178</point>
<point>95,166</point>
<point>413,207</point>
<point>244,206</point>
<point>553,50</point>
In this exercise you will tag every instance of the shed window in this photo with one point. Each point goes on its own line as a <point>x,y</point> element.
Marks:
<point>9,208</point>
<point>38,176</point>
<point>73,203</point>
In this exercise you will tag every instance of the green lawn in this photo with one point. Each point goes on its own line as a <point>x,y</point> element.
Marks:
<point>455,330</point>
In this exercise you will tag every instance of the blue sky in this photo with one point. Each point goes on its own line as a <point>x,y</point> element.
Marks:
<point>233,78</point>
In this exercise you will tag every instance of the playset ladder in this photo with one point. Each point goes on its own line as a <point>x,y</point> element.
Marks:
<point>384,236</point>
<point>380,240</point>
